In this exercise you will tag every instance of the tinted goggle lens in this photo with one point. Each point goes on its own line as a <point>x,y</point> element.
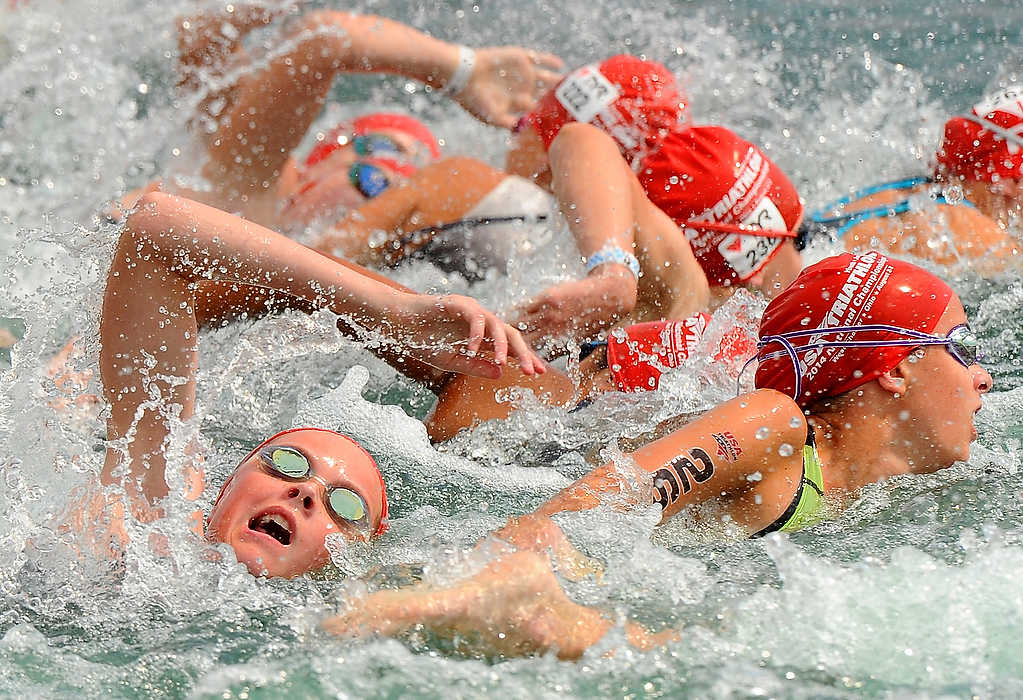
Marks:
<point>346,504</point>
<point>371,145</point>
<point>369,179</point>
<point>291,464</point>
<point>964,345</point>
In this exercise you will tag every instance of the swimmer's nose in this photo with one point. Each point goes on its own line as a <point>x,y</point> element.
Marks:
<point>982,381</point>
<point>304,493</point>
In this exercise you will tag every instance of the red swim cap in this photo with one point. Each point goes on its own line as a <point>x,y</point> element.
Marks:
<point>847,290</point>
<point>372,464</point>
<point>715,185</point>
<point>339,136</point>
<point>635,101</point>
<point>972,150</point>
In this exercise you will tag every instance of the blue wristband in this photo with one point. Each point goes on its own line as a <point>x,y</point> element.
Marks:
<point>613,254</point>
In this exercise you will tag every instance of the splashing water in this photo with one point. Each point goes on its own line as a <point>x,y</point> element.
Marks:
<point>912,591</point>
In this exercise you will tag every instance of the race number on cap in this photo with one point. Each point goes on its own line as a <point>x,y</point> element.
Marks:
<point>586,93</point>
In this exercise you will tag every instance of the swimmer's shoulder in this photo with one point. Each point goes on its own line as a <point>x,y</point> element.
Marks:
<point>447,189</point>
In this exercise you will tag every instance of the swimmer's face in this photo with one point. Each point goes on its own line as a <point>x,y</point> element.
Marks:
<point>527,157</point>
<point>278,527</point>
<point>940,399</point>
<point>326,188</point>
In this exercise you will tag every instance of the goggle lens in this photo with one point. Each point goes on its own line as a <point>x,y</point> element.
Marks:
<point>374,144</point>
<point>964,345</point>
<point>347,504</point>
<point>289,463</point>
<point>368,179</point>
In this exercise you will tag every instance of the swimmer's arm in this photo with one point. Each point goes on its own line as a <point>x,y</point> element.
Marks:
<point>514,606</point>
<point>208,37</point>
<point>171,246</point>
<point>718,456</point>
<point>504,83</point>
<point>595,191</point>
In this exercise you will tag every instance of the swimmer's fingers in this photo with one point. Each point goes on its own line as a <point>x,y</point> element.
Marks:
<point>547,63</point>
<point>484,326</point>
<point>529,362</point>
<point>548,70</point>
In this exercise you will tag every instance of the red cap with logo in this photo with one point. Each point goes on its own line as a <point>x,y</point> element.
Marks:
<point>637,354</point>
<point>637,102</point>
<point>339,136</point>
<point>718,187</point>
<point>987,143</point>
<point>846,290</point>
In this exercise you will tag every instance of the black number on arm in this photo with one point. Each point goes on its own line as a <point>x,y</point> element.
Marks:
<point>677,476</point>
<point>663,479</point>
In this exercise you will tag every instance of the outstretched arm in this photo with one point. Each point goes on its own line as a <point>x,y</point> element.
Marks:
<point>513,607</point>
<point>271,110</point>
<point>746,454</point>
<point>171,246</point>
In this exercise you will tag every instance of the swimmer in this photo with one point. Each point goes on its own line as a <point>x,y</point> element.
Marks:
<point>301,486</point>
<point>867,369</point>
<point>966,212</point>
<point>738,211</point>
<point>250,125</point>
<point>464,213</point>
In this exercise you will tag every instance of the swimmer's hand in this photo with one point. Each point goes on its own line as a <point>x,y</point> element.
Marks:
<point>580,308</point>
<point>94,521</point>
<point>514,606</point>
<point>454,333</point>
<point>506,82</point>
<point>540,534</point>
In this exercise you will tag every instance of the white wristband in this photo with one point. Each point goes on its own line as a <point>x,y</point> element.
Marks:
<point>613,254</point>
<point>463,71</point>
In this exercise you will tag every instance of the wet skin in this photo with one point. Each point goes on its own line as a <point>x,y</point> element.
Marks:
<point>278,527</point>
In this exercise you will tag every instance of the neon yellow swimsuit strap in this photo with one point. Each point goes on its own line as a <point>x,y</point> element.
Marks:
<point>809,509</point>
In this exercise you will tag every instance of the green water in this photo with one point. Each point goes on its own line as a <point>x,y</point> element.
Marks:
<point>911,592</point>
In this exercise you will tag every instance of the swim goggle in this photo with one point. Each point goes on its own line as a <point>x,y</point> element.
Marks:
<point>344,505</point>
<point>960,342</point>
<point>368,178</point>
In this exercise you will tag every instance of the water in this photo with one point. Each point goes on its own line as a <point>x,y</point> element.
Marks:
<point>911,592</point>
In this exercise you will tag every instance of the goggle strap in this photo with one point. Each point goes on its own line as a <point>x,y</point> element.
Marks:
<point>913,338</point>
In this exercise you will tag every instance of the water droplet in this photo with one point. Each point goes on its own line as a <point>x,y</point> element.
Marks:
<point>755,476</point>
<point>763,432</point>
<point>785,449</point>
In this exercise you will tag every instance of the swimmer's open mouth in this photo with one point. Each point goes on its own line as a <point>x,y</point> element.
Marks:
<point>274,525</point>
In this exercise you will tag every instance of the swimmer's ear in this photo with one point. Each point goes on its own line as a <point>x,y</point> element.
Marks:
<point>893,381</point>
